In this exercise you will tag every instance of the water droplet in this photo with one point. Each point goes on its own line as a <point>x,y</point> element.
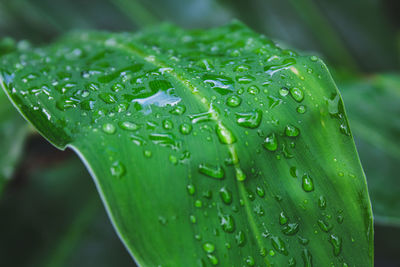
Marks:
<point>313,58</point>
<point>290,228</point>
<point>233,101</point>
<point>227,223</point>
<point>108,128</point>
<point>208,247</point>
<point>282,218</point>
<point>224,134</point>
<point>226,195</point>
<point>283,91</point>
<point>185,128</point>
<point>260,191</point>
<point>291,131</point>
<point>178,110</point>
<point>240,239</point>
<point>253,90</point>
<point>213,259</point>
<point>128,126</point>
<point>192,219</point>
<point>191,189</point>
<point>322,202</point>
<point>336,243</point>
<point>162,220</point>
<point>173,159</point>
<point>250,261</point>
<point>301,109</point>
<point>221,84</point>
<point>291,262</point>
<point>117,169</point>
<point>116,87</point>
<point>279,245</point>
<point>167,124</point>
<point>297,94</point>
<point>324,226</point>
<point>147,153</point>
<point>308,184</point>
<point>271,142</point>
<point>198,203</point>
<point>249,119</point>
<point>108,98</point>
<point>212,171</point>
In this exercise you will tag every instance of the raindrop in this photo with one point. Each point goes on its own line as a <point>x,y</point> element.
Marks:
<point>185,128</point>
<point>227,223</point>
<point>271,142</point>
<point>208,247</point>
<point>308,184</point>
<point>240,239</point>
<point>250,261</point>
<point>128,126</point>
<point>291,131</point>
<point>108,128</point>
<point>290,228</point>
<point>226,195</point>
<point>249,119</point>
<point>224,134</point>
<point>336,243</point>
<point>191,189</point>
<point>117,169</point>
<point>324,226</point>
<point>233,101</point>
<point>279,245</point>
<point>297,94</point>
<point>167,124</point>
<point>282,218</point>
<point>301,109</point>
<point>211,170</point>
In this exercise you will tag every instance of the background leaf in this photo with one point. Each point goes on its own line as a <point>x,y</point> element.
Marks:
<point>206,146</point>
<point>374,113</point>
<point>57,229</point>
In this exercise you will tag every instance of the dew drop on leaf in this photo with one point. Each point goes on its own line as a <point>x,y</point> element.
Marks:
<point>271,142</point>
<point>307,183</point>
<point>233,101</point>
<point>208,247</point>
<point>211,170</point>
<point>226,195</point>
<point>117,169</point>
<point>249,119</point>
<point>291,131</point>
<point>108,128</point>
<point>185,128</point>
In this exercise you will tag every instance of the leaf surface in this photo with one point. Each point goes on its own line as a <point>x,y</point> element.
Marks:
<point>207,147</point>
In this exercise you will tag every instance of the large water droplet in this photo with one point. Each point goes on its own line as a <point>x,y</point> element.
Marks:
<point>279,245</point>
<point>297,94</point>
<point>249,119</point>
<point>233,101</point>
<point>212,171</point>
<point>108,128</point>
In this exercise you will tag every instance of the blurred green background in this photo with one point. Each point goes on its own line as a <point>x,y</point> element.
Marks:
<point>359,40</point>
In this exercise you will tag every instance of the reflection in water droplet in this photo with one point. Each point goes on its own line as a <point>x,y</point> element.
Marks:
<point>233,101</point>
<point>224,134</point>
<point>208,247</point>
<point>279,245</point>
<point>227,223</point>
<point>226,195</point>
<point>336,243</point>
<point>297,94</point>
<point>185,128</point>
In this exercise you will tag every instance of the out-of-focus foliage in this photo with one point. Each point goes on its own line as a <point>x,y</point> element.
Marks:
<point>373,105</point>
<point>41,220</point>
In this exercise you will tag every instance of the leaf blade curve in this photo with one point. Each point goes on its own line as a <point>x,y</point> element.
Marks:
<point>209,147</point>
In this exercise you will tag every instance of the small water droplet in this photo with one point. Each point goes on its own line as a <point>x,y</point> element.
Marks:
<point>322,202</point>
<point>283,91</point>
<point>117,169</point>
<point>260,191</point>
<point>147,153</point>
<point>178,110</point>
<point>283,219</point>
<point>291,131</point>
<point>324,226</point>
<point>233,101</point>
<point>297,94</point>
<point>167,124</point>
<point>185,128</point>
<point>336,243</point>
<point>208,247</point>
<point>290,228</point>
<point>313,58</point>
<point>301,109</point>
<point>227,223</point>
<point>271,142</point>
<point>308,184</point>
<point>250,261</point>
<point>213,259</point>
<point>191,189</point>
<point>279,245</point>
<point>128,126</point>
<point>226,195</point>
<point>108,128</point>
<point>240,238</point>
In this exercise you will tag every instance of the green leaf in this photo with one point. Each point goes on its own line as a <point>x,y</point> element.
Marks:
<point>208,147</point>
<point>13,132</point>
<point>57,229</point>
<point>374,112</point>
